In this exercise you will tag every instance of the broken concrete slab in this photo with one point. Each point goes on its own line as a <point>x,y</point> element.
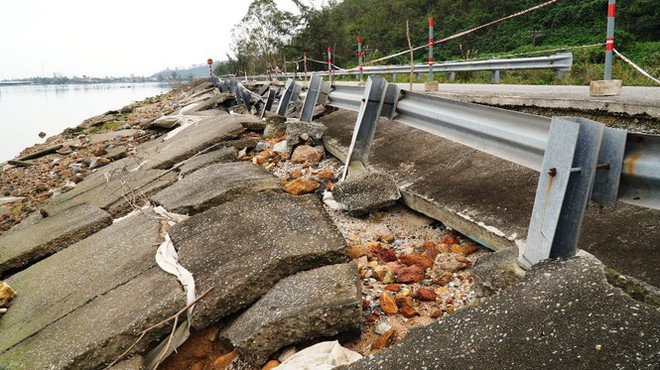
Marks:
<point>65,281</point>
<point>243,247</point>
<point>100,330</point>
<point>489,199</point>
<point>309,133</point>
<point>192,139</point>
<point>134,363</point>
<point>49,235</point>
<point>118,194</point>
<point>366,191</point>
<point>308,305</point>
<point>214,185</point>
<point>222,155</point>
<point>564,315</point>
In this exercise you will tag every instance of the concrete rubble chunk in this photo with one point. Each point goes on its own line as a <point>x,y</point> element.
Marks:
<point>243,247</point>
<point>99,331</point>
<point>191,140</point>
<point>60,284</point>
<point>167,122</point>
<point>309,133</point>
<point>50,235</point>
<point>497,271</point>
<point>222,155</point>
<point>366,192</point>
<point>214,185</point>
<point>564,315</point>
<point>311,304</point>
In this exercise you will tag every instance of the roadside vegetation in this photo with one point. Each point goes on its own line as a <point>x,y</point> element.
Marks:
<point>267,34</point>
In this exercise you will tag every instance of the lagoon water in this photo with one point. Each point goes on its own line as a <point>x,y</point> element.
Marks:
<point>27,110</point>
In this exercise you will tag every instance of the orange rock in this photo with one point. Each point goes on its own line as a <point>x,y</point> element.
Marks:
<point>456,249</point>
<point>223,362</point>
<point>410,274</point>
<point>386,238</point>
<point>393,287</point>
<point>307,155</point>
<point>467,250</point>
<point>442,248</point>
<point>428,245</point>
<point>388,304</point>
<point>436,313</point>
<point>357,251</point>
<point>387,255</point>
<point>408,312</point>
<point>449,240</point>
<point>444,278</point>
<point>425,294</point>
<point>417,259</point>
<point>295,174</point>
<point>375,247</point>
<point>403,300</point>
<point>325,175</point>
<point>259,160</point>
<point>301,186</point>
<point>384,340</point>
<point>271,365</point>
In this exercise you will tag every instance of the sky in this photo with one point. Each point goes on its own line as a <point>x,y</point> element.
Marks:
<point>114,38</point>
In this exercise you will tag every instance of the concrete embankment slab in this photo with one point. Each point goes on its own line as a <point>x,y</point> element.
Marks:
<point>311,304</point>
<point>59,285</point>
<point>564,315</point>
<point>491,200</point>
<point>100,330</point>
<point>222,155</point>
<point>192,139</point>
<point>214,185</point>
<point>243,247</point>
<point>50,235</point>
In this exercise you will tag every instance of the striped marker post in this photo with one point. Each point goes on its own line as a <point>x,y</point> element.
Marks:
<point>305,63</point>
<point>210,63</point>
<point>609,41</point>
<point>431,49</point>
<point>330,64</point>
<point>360,67</point>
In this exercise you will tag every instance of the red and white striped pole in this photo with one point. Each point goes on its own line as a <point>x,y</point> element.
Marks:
<point>360,67</point>
<point>210,63</point>
<point>330,64</point>
<point>305,63</point>
<point>609,41</point>
<point>431,49</point>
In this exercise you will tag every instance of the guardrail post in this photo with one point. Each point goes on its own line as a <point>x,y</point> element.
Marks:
<point>269,102</point>
<point>564,189</point>
<point>496,74</point>
<point>431,22</point>
<point>289,91</point>
<point>452,76</point>
<point>312,97</point>
<point>365,126</point>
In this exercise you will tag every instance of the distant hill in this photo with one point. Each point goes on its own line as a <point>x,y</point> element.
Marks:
<point>194,71</point>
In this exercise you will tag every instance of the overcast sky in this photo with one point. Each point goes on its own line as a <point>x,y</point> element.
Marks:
<point>113,38</point>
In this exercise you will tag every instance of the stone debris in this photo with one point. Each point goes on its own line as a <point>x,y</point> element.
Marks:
<point>497,271</point>
<point>307,154</point>
<point>6,294</point>
<point>564,314</point>
<point>301,132</point>
<point>312,304</point>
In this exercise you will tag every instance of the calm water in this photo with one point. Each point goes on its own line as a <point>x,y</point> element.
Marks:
<point>27,110</point>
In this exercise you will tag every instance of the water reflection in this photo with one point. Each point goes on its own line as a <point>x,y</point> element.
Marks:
<point>27,110</point>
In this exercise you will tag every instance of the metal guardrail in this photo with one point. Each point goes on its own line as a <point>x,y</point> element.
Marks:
<point>561,62</point>
<point>578,159</point>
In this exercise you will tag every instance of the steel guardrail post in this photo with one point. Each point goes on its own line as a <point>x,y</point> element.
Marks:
<point>289,89</point>
<point>564,189</point>
<point>311,99</point>
<point>365,126</point>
